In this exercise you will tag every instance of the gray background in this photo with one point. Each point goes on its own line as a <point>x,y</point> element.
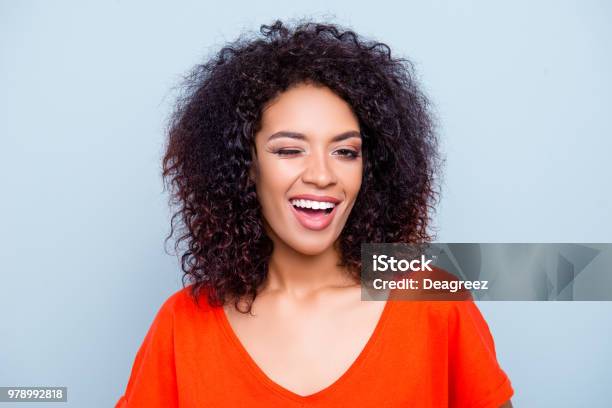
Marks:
<point>522,90</point>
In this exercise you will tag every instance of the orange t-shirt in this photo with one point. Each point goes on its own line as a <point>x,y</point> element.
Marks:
<point>421,354</point>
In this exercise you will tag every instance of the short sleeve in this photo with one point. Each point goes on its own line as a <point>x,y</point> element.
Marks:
<point>475,378</point>
<point>152,381</point>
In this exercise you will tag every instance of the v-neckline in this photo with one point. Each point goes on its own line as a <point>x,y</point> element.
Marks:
<point>279,389</point>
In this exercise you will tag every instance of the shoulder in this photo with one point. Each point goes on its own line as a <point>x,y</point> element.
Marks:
<point>188,299</point>
<point>459,331</point>
<point>453,318</point>
<point>183,304</point>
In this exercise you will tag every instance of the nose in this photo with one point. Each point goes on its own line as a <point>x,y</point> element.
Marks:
<point>318,170</point>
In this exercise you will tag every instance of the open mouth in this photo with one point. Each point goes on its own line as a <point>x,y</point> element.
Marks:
<point>314,215</point>
<point>310,211</point>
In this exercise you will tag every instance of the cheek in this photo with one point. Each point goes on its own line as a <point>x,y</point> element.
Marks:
<point>351,180</point>
<point>279,172</point>
<point>274,181</point>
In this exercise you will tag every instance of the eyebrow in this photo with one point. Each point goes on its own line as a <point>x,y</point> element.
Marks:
<point>301,136</point>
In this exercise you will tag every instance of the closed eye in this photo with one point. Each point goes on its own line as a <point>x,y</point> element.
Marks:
<point>347,153</point>
<point>286,152</point>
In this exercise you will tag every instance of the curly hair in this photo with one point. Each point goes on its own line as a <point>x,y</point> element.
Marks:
<point>211,133</point>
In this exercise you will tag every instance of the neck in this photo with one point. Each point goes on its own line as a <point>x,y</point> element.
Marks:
<point>299,275</point>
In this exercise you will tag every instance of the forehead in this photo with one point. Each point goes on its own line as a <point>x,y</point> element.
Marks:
<point>308,109</point>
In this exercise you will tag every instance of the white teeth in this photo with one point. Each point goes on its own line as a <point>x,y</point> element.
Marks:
<point>315,205</point>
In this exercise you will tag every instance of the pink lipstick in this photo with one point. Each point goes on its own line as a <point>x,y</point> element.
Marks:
<point>314,212</point>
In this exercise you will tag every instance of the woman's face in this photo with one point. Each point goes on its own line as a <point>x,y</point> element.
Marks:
<point>308,167</point>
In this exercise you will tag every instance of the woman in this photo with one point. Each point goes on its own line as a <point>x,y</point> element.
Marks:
<point>287,152</point>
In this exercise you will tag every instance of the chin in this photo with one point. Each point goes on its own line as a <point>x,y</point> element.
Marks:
<point>311,248</point>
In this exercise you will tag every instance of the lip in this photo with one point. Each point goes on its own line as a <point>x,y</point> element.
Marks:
<point>314,222</point>
<point>313,197</point>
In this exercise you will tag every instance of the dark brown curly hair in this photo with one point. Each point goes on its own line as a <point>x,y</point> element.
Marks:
<point>211,132</point>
